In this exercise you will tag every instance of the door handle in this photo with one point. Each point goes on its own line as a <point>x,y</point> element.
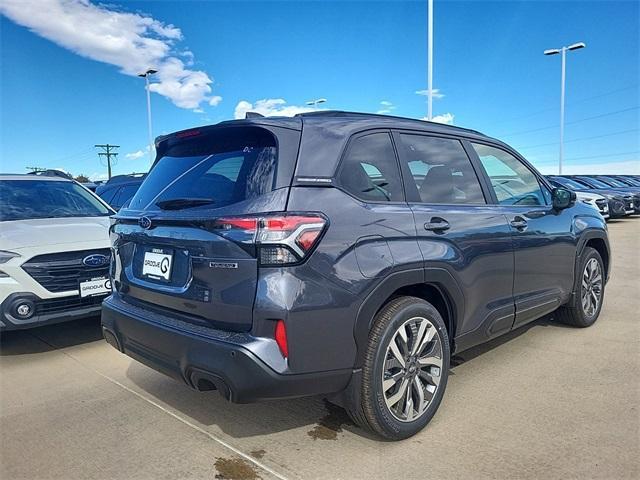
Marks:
<point>519,223</point>
<point>437,224</point>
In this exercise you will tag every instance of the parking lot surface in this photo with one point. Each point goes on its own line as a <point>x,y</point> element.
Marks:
<point>546,401</point>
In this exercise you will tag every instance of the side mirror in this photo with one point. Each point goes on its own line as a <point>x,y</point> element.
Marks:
<point>562,198</point>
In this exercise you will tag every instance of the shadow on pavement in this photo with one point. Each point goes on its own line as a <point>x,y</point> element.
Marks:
<point>50,337</point>
<point>322,419</point>
<point>244,420</point>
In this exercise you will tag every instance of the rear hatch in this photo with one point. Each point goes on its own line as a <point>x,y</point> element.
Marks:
<point>185,245</point>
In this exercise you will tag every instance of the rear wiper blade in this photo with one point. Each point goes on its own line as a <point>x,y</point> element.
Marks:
<point>180,203</point>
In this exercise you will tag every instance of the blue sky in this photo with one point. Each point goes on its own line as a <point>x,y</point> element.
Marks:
<point>68,72</point>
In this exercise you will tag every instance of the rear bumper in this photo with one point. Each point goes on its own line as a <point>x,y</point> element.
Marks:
<point>228,362</point>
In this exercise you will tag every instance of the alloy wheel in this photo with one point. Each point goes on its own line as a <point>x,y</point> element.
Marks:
<point>591,293</point>
<point>412,369</point>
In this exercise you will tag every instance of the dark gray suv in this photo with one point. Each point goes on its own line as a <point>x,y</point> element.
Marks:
<point>342,254</point>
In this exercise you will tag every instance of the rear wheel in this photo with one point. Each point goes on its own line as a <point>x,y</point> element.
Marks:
<point>584,308</point>
<point>405,369</point>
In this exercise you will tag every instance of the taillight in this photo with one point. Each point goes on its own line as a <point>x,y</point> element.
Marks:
<point>281,338</point>
<point>280,239</point>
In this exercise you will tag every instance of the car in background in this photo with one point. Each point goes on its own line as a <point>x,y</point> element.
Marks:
<point>631,197</point>
<point>627,179</point>
<point>120,189</point>
<point>614,203</point>
<point>54,251</point>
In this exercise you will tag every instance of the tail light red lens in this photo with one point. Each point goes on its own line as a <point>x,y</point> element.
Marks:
<point>283,239</point>
<point>281,338</point>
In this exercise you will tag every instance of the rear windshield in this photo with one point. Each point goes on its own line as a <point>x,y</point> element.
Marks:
<point>222,168</point>
<point>27,199</point>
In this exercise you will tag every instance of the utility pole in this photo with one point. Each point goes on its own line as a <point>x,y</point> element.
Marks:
<point>108,153</point>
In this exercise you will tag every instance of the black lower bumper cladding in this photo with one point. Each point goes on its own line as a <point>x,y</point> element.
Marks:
<point>206,363</point>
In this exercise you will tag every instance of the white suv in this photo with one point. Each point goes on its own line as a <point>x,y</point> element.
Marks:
<point>54,251</point>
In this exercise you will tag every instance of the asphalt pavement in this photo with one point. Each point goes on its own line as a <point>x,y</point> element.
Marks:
<point>545,401</point>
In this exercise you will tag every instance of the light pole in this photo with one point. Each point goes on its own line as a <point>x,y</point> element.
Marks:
<point>146,74</point>
<point>316,102</point>
<point>430,60</point>
<point>563,51</point>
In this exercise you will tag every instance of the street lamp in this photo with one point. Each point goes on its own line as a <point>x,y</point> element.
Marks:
<point>146,74</point>
<point>563,51</point>
<point>430,60</point>
<point>316,102</point>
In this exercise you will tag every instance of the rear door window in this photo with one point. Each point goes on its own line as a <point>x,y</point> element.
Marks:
<point>220,169</point>
<point>369,170</point>
<point>441,170</point>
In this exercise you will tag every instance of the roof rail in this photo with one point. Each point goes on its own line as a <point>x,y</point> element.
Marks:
<point>52,173</point>
<point>125,177</point>
<point>342,113</point>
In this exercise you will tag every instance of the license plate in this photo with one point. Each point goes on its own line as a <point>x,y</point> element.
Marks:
<point>157,265</point>
<point>98,286</point>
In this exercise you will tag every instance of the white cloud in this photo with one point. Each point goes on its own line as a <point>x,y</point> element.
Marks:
<point>132,42</point>
<point>436,93</point>
<point>446,118</point>
<point>387,107</point>
<point>98,176</point>
<point>215,100</point>
<point>135,155</point>
<point>269,107</point>
<point>138,153</point>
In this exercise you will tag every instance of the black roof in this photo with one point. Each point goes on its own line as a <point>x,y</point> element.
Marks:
<point>321,156</point>
<point>375,117</point>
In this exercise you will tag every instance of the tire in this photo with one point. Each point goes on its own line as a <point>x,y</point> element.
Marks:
<point>429,364</point>
<point>577,312</point>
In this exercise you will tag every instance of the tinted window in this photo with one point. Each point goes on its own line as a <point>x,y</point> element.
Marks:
<point>224,167</point>
<point>512,181</point>
<point>593,182</point>
<point>441,170</point>
<point>124,195</point>
<point>108,194</point>
<point>613,182</point>
<point>369,170</point>
<point>25,199</point>
<point>569,183</point>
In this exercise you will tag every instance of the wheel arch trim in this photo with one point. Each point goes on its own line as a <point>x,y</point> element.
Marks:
<point>439,278</point>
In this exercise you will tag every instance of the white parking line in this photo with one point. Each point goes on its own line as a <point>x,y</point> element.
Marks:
<point>245,456</point>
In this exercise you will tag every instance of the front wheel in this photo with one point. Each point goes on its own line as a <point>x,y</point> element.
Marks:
<point>405,370</point>
<point>584,308</point>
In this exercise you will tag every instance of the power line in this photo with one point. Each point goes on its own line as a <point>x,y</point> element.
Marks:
<point>512,134</point>
<point>81,153</point>
<point>594,97</point>
<point>581,139</point>
<point>108,153</point>
<point>605,155</point>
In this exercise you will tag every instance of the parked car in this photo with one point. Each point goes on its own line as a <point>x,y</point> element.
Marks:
<point>343,254</point>
<point>54,251</point>
<point>627,179</point>
<point>631,198</point>
<point>120,189</point>
<point>614,203</point>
